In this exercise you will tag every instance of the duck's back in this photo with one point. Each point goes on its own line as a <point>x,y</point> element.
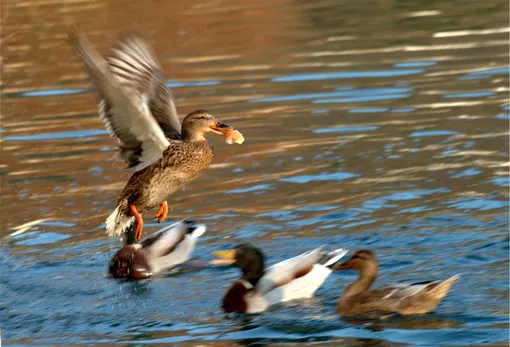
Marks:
<point>301,287</point>
<point>405,299</point>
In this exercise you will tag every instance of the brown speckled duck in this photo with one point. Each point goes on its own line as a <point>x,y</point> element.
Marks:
<point>138,109</point>
<point>406,299</point>
<point>162,250</point>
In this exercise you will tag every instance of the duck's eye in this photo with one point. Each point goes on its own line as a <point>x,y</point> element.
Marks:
<point>218,123</point>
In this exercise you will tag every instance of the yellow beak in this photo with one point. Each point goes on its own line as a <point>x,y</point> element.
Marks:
<point>227,257</point>
<point>230,254</point>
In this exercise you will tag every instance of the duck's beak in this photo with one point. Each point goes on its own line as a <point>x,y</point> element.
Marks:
<point>221,128</point>
<point>344,266</point>
<point>226,257</point>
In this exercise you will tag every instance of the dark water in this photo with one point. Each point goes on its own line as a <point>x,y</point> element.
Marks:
<point>371,124</point>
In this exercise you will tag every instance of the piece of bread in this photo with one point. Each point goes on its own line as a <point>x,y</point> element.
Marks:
<point>233,136</point>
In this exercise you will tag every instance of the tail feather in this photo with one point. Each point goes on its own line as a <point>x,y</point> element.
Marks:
<point>441,289</point>
<point>330,258</point>
<point>117,223</point>
<point>197,230</point>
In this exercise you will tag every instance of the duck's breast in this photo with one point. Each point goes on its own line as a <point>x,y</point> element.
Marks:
<point>256,302</point>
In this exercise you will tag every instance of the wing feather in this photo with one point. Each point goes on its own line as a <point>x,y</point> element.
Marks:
<point>134,62</point>
<point>125,115</point>
<point>403,290</point>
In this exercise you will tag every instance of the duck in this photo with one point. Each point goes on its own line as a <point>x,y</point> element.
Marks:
<point>162,250</point>
<point>259,288</point>
<point>358,299</point>
<point>138,110</point>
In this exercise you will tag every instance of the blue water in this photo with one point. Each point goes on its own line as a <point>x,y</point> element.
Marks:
<point>346,129</point>
<point>176,84</point>
<point>169,309</point>
<point>338,176</point>
<point>256,188</point>
<point>426,133</point>
<point>346,93</point>
<point>415,64</point>
<point>504,116</point>
<point>474,77</point>
<point>468,95</point>
<point>467,172</point>
<point>403,110</point>
<point>350,74</point>
<point>362,98</point>
<point>70,91</point>
<point>52,92</point>
<point>368,110</point>
<point>56,136</point>
<point>496,71</point>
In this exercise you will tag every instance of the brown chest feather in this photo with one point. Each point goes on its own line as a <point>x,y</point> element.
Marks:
<point>234,300</point>
<point>182,162</point>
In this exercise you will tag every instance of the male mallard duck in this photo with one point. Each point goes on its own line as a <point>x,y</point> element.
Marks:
<point>405,299</point>
<point>295,278</point>
<point>138,109</point>
<point>166,248</point>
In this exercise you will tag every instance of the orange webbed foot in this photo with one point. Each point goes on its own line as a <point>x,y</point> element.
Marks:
<point>163,211</point>
<point>139,222</point>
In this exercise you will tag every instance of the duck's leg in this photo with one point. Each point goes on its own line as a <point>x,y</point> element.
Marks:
<point>139,222</point>
<point>163,211</point>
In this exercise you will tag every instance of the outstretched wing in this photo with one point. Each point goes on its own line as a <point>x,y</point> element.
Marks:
<point>123,109</point>
<point>134,63</point>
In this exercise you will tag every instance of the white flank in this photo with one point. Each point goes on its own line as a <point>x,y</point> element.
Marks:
<point>117,223</point>
<point>299,288</point>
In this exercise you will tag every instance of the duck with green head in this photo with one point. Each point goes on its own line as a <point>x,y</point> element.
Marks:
<point>259,288</point>
<point>160,251</point>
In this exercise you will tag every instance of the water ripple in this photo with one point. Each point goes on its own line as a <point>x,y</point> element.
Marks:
<point>351,74</point>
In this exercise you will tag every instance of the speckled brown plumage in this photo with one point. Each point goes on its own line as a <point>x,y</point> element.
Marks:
<point>182,162</point>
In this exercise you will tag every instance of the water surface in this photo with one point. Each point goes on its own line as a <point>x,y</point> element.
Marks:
<point>380,125</point>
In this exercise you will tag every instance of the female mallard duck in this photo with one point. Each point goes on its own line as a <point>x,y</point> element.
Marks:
<point>295,278</point>
<point>166,248</point>
<point>138,109</point>
<point>405,299</point>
